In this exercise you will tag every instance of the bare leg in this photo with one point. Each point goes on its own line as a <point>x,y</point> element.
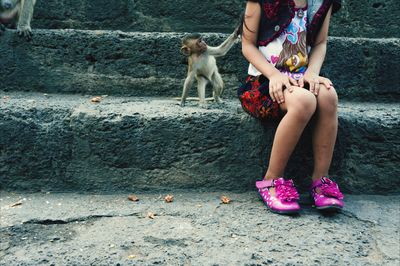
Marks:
<point>300,106</point>
<point>201,89</point>
<point>2,29</point>
<point>188,84</point>
<point>25,17</point>
<point>325,131</point>
<point>218,87</point>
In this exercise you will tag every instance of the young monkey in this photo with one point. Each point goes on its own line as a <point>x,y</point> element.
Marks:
<point>17,13</point>
<point>202,65</point>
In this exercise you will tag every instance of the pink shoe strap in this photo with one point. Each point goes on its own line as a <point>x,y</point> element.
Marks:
<point>316,184</point>
<point>265,183</point>
<point>271,182</point>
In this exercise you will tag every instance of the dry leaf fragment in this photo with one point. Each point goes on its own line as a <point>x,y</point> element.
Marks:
<point>225,200</point>
<point>151,215</point>
<point>133,198</point>
<point>131,257</point>
<point>169,198</point>
<point>16,204</point>
<point>96,99</point>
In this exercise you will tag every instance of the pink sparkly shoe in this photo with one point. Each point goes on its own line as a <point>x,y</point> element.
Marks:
<point>285,199</point>
<point>328,196</point>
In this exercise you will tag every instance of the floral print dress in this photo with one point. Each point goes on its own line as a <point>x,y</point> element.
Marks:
<point>289,54</point>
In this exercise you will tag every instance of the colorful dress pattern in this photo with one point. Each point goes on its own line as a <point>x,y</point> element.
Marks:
<point>288,53</point>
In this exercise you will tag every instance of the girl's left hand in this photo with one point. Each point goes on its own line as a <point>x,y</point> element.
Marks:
<point>314,81</point>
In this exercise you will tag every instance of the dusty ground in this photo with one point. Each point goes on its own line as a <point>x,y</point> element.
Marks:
<point>196,229</point>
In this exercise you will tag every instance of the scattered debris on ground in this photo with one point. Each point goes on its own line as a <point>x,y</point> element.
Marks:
<point>169,198</point>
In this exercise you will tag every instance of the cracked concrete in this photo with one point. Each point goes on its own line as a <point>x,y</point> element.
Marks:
<point>196,229</point>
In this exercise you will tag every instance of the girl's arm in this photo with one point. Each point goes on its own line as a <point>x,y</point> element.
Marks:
<point>251,52</point>
<point>316,59</point>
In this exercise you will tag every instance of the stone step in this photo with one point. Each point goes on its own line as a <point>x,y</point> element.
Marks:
<point>356,19</point>
<point>67,143</point>
<point>149,64</point>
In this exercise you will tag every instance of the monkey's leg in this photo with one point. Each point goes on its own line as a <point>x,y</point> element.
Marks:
<point>201,90</point>
<point>218,87</point>
<point>188,84</point>
<point>25,17</point>
<point>2,29</point>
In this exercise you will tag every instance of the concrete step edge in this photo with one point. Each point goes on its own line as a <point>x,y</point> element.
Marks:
<point>69,143</point>
<point>109,62</point>
<point>28,100</point>
<point>150,34</point>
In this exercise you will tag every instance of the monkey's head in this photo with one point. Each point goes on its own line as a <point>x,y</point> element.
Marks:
<point>8,4</point>
<point>193,44</point>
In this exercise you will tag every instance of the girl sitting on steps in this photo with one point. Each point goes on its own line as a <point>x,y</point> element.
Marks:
<point>285,42</point>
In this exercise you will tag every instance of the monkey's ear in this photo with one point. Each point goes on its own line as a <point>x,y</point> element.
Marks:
<point>185,50</point>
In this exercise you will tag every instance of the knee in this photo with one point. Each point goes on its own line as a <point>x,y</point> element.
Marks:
<point>327,101</point>
<point>304,105</point>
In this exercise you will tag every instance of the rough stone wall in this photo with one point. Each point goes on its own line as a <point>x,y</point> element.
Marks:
<point>366,18</point>
<point>63,142</point>
<point>148,64</point>
<point>66,143</point>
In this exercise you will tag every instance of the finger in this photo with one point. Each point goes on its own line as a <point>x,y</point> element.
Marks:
<point>316,87</point>
<point>288,86</point>
<point>280,95</point>
<point>276,97</point>
<point>301,82</point>
<point>275,92</point>
<point>326,83</point>
<point>329,82</point>
<point>293,81</point>
<point>271,92</point>
<point>291,88</point>
<point>311,83</point>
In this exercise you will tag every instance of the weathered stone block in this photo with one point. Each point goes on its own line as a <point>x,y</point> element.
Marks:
<point>67,143</point>
<point>149,64</point>
<point>368,18</point>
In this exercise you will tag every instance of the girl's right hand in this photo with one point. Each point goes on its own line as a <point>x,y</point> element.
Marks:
<point>277,83</point>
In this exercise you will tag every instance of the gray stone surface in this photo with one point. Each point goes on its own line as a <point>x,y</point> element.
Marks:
<point>196,229</point>
<point>368,18</point>
<point>62,142</point>
<point>67,143</point>
<point>149,64</point>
